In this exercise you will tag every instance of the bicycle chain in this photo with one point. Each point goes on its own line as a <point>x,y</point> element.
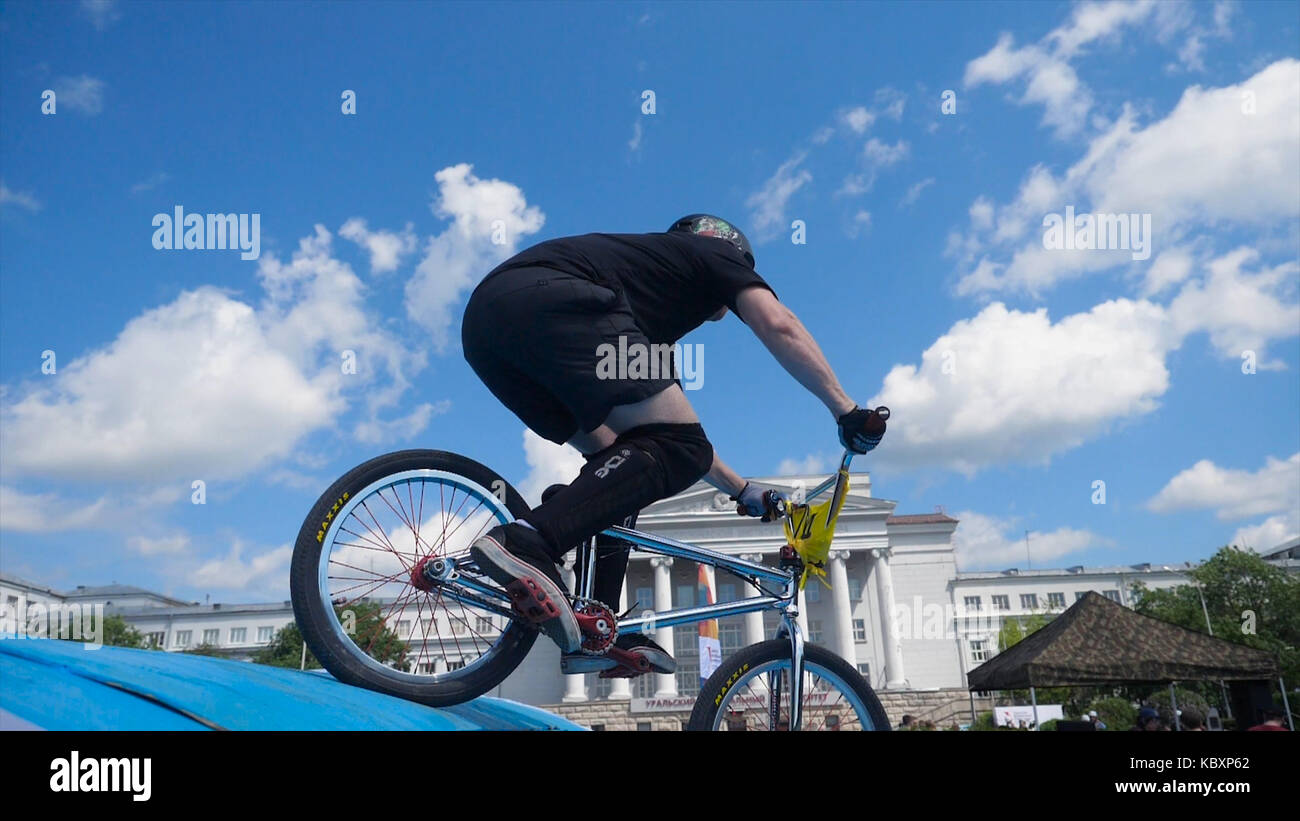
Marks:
<point>596,645</point>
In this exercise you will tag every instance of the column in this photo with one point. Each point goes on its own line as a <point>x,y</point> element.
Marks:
<point>753,631</point>
<point>894,676</point>
<point>665,683</point>
<point>575,686</point>
<point>620,689</point>
<point>842,609</point>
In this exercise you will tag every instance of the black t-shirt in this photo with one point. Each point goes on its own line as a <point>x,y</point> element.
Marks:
<point>673,282</point>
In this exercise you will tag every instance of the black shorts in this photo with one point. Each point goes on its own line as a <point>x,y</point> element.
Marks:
<point>534,336</point>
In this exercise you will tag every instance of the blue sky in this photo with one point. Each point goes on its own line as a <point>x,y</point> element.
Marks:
<point>1018,375</point>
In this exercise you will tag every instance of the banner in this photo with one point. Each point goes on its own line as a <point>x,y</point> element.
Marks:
<point>710,647</point>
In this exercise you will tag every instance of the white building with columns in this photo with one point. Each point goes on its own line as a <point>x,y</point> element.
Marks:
<point>897,608</point>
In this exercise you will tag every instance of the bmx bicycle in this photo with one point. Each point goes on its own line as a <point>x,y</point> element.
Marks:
<point>390,539</point>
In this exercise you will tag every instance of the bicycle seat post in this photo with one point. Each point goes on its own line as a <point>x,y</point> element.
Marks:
<point>587,583</point>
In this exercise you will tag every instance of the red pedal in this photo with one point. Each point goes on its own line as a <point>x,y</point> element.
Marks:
<point>531,601</point>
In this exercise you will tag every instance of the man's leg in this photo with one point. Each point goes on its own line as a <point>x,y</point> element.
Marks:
<point>660,449</point>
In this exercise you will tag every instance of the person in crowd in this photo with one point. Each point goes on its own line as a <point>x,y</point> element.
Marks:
<point>1274,720</point>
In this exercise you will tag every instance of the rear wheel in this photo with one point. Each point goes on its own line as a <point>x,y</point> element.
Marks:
<point>746,690</point>
<point>351,579</point>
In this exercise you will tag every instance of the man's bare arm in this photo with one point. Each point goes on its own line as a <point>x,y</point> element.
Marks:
<point>784,335</point>
<point>723,477</point>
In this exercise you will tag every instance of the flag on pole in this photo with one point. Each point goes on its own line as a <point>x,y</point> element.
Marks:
<point>710,647</point>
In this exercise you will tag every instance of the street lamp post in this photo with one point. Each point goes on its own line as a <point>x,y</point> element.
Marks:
<point>1227,705</point>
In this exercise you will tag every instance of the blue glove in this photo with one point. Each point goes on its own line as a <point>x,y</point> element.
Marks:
<point>769,503</point>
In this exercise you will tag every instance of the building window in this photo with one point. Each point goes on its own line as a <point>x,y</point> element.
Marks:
<point>457,625</point>
<point>973,603</point>
<point>815,631</point>
<point>1055,600</point>
<point>855,589</point>
<point>483,624</point>
<point>865,669</point>
<point>1080,595</point>
<point>183,638</point>
<point>1113,595</point>
<point>1001,603</point>
<point>645,599</point>
<point>1028,601</point>
<point>238,635</point>
<point>729,637</point>
<point>265,634</point>
<point>598,728</point>
<point>643,726</point>
<point>686,649</point>
<point>832,722</point>
<point>813,593</point>
<point>157,639</point>
<point>685,595</point>
<point>726,592</point>
<point>404,628</point>
<point>211,636</point>
<point>455,665</point>
<point>978,652</point>
<point>859,629</point>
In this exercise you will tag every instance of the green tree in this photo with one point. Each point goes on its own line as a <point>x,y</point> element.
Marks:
<point>206,650</point>
<point>366,626</point>
<point>1116,712</point>
<point>1249,602</point>
<point>115,632</point>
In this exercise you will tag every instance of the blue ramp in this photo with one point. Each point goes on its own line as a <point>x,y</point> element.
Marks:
<point>62,685</point>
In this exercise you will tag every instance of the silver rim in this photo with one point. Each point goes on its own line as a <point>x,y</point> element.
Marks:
<point>367,554</point>
<point>828,702</point>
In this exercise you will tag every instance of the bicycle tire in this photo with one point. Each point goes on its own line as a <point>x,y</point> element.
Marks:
<point>756,656</point>
<point>314,615</point>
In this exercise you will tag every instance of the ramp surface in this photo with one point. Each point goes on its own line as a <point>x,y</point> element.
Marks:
<point>62,685</point>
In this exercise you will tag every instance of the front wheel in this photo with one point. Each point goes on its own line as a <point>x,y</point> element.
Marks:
<point>741,694</point>
<point>351,579</point>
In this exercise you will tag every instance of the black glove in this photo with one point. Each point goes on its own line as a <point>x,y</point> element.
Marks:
<point>861,429</point>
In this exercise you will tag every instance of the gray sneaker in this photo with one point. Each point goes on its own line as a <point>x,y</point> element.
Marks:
<point>515,557</point>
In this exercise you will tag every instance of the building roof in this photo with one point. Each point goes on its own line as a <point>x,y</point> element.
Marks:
<point>1076,570</point>
<point>217,609</point>
<point>920,519</point>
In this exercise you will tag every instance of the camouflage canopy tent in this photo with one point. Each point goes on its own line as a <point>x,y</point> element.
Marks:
<point>1098,641</point>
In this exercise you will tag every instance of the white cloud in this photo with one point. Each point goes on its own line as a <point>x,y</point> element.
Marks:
<point>859,119</point>
<point>813,463</point>
<point>1269,533</point>
<point>100,13</point>
<point>548,464</point>
<point>861,222</point>
<point>1233,493</point>
<point>151,183</point>
<point>264,574</point>
<point>209,387</point>
<point>47,512</point>
<point>982,541</point>
<point>914,191</point>
<point>767,205</point>
<point>459,257</point>
<point>173,545</point>
<point>83,93</point>
<point>1240,311</point>
<point>1167,269</point>
<point>1206,165</point>
<point>634,144</point>
<point>876,155</point>
<point>23,200</point>
<point>387,248</point>
<point>1011,386</point>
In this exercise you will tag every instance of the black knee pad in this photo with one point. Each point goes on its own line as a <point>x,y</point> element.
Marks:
<point>683,451</point>
<point>644,465</point>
